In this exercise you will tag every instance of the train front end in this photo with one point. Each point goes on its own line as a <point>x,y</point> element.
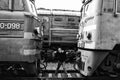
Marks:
<point>88,38</point>
<point>17,38</point>
<point>99,37</point>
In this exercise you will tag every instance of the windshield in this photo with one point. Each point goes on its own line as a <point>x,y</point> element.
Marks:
<point>18,5</point>
<point>7,4</point>
<point>4,4</point>
<point>108,6</point>
<point>118,6</point>
<point>32,8</point>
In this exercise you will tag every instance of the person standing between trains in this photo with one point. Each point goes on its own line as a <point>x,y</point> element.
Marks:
<point>61,57</point>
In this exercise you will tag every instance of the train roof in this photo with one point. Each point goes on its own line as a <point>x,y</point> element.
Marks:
<point>43,11</point>
<point>58,12</point>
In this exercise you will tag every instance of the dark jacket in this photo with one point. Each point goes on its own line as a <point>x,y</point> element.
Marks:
<point>61,56</point>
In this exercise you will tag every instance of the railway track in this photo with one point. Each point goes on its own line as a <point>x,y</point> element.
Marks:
<point>60,78</point>
<point>61,75</point>
<point>49,74</point>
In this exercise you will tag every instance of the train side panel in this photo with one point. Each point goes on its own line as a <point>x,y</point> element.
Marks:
<point>60,29</point>
<point>110,28</point>
<point>15,36</point>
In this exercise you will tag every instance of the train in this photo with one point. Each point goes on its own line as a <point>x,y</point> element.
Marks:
<point>19,51</point>
<point>99,38</point>
<point>60,28</point>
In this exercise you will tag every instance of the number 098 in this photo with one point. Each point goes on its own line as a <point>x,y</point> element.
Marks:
<point>10,26</point>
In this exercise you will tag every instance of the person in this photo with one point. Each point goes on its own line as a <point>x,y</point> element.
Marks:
<point>61,57</point>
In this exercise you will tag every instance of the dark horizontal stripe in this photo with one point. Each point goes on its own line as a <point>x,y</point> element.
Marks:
<point>11,36</point>
<point>60,71</point>
<point>101,50</point>
<point>45,78</point>
<point>59,41</point>
<point>12,20</point>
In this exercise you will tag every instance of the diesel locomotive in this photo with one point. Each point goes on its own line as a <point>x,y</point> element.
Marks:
<point>18,38</point>
<point>99,37</point>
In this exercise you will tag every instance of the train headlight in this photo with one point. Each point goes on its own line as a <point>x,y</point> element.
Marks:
<point>89,68</point>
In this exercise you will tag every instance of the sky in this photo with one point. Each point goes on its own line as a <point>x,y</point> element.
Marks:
<point>59,4</point>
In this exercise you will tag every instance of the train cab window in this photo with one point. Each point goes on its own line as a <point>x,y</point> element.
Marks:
<point>83,11</point>
<point>108,5</point>
<point>4,4</point>
<point>118,6</point>
<point>57,19</point>
<point>32,8</point>
<point>89,9</point>
<point>71,19</point>
<point>86,7</point>
<point>18,5</point>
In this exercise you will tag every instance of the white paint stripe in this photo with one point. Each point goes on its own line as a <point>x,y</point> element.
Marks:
<point>78,75</point>
<point>62,29</point>
<point>29,52</point>
<point>50,75</point>
<point>69,75</point>
<point>88,28</point>
<point>28,35</point>
<point>59,75</point>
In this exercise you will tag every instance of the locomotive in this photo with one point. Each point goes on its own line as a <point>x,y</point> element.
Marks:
<point>99,38</point>
<point>18,38</point>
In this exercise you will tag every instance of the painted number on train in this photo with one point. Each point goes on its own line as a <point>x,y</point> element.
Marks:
<point>10,26</point>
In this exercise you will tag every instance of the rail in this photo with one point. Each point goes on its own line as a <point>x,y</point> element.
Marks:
<point>46,78</point>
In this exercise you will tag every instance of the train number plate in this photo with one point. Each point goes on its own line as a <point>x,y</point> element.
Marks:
<point>10,26</point>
